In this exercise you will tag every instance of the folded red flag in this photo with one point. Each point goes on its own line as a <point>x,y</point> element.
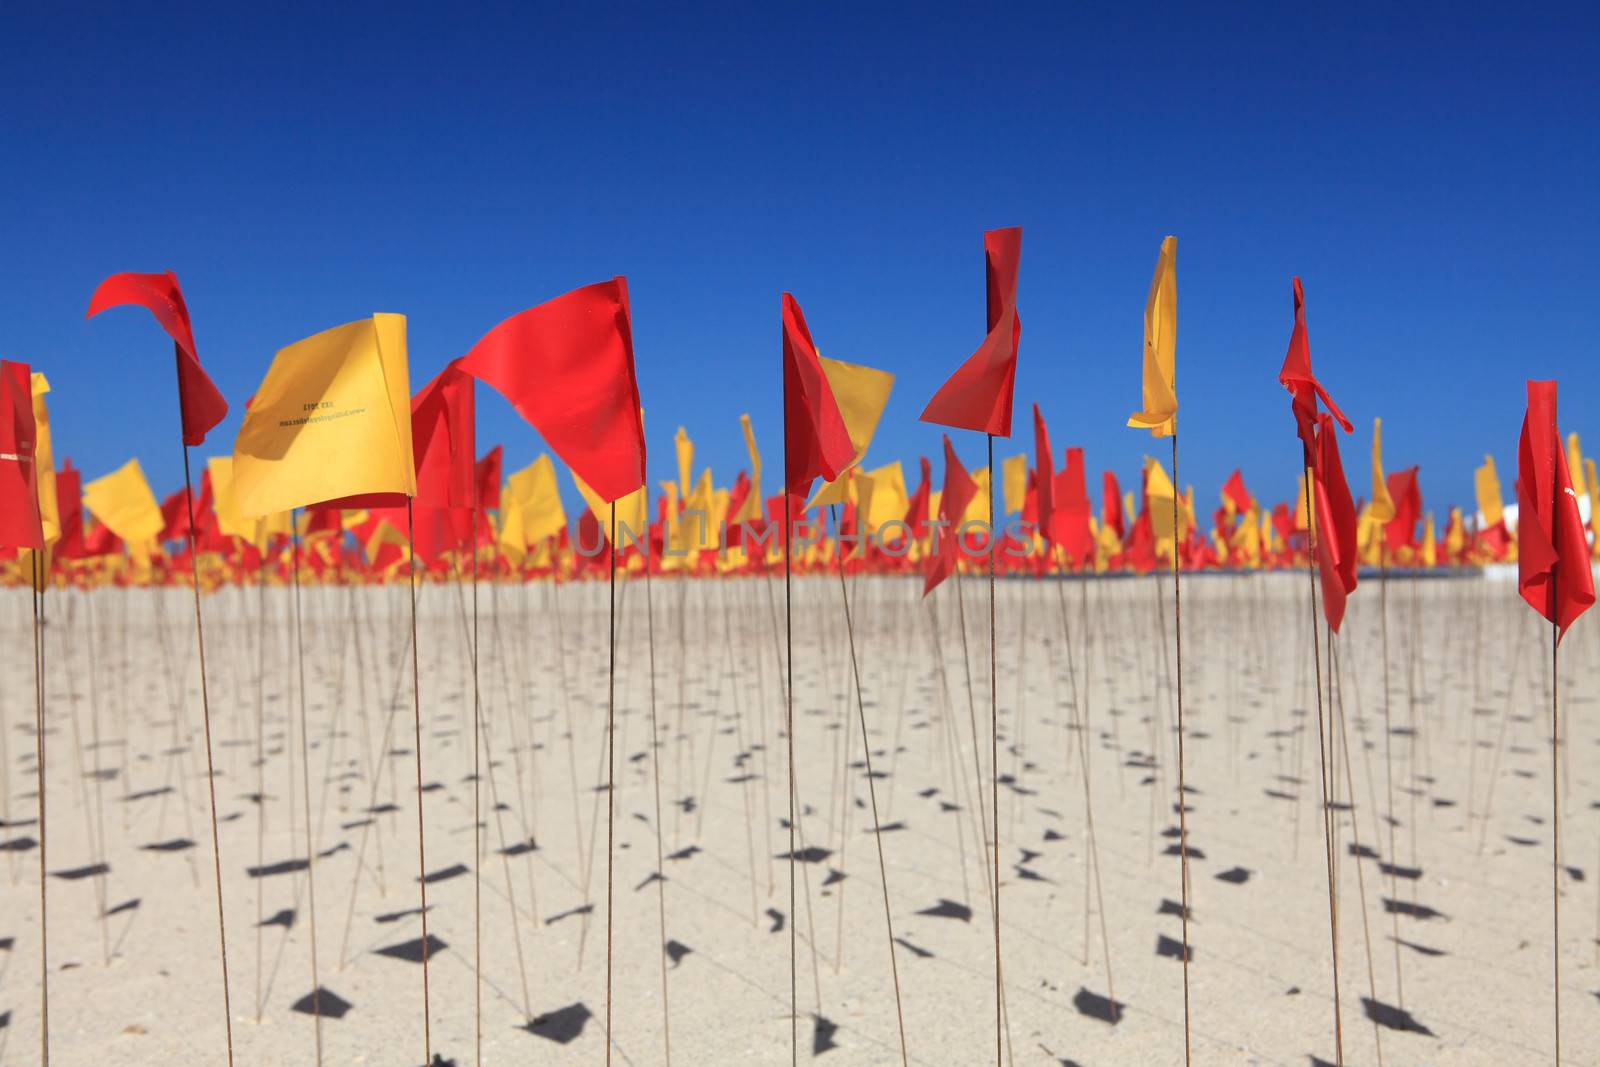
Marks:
<point>816,443</point>
<point>202,405</point>
<point>488,475</point>
<point>567,367</point>
<point>442,440</point>
<point>20,526</point>
<point>1401,531</point>
<point>1044,477</point>
<point>959,489</point>
<point>978,395</point>
<point>1296,377</point>
<point>1336,524</point>
<point>1553,572</point>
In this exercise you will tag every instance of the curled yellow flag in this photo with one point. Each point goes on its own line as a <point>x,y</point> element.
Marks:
<point>1487,484</point>
<point>1381,510</point>
<point>332,419</point>
<point>536,498</point>
<point>861,393</point>
<point>1160,414</point>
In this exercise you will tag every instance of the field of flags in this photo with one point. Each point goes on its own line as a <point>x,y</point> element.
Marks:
<point>933,627</point>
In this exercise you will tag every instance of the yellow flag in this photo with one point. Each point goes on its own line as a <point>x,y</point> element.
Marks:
<point>1382,505</point>
<point>332,419</point>
<point>1160,414</point>
<point>861,393</point>
<point>1487,483</point>
<point>750,510</point>
<point>1015,484</point>
<point>1430,550</point>
<point>1589,475</point>
<point>1455,534</point>
<point>883,496</point>
<point>229,522</point>
<point>123,502</point>
<point>1574,464</point>
<point>685,450</point>
<point>538,501</point>
<point>44,463</point>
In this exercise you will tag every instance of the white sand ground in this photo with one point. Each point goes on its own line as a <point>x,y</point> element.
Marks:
<point>1467,671</point>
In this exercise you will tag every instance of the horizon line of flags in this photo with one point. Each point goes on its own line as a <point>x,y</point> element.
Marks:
<point>382,478</point>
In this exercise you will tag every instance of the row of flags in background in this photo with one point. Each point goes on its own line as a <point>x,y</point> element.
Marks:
<point>381,477</point>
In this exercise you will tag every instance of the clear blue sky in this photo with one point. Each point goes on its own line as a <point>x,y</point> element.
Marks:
<point>1430,176</point>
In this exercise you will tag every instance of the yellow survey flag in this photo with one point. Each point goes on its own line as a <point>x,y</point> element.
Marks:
<point>750,510</point>
<point>229,522</point>
<point>882,496</point>
<point>332,419</point>
<point>685,450</point>
<point>1382,505</point>
<point>122,500</point>
<point>1015,483</point>
<point>1160,414</point>
<point>44,462</point>
<point>1589,475</point>
<point>1455,534</point>
<point>861,393</point>
<point>1574,464</point>
<point>1487,483</point>
<point>1430,550</point>
<point>537,498</point>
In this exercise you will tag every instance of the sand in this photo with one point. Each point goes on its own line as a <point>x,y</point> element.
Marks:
<point>1453,901</point>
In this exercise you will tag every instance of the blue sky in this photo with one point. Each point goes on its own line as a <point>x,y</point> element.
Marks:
<point>1430,176</point>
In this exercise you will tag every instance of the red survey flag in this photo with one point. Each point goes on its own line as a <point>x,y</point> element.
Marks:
<point>978,395</point>
<point>1401,531</point>
<point>917,511</point>
<point>959,489</point>
<point>1553,572</point>
<point>1044,477</point>
<point>201,403</point>
<point>442,440</point>
<point>816,443</point>
<point>488,474</point>
<point>20,526</point>
<point>1235,491</point>
<point>1336,524</point>
<point>1296,377</point>
<point>1072,510</point>
<point>567,367</point>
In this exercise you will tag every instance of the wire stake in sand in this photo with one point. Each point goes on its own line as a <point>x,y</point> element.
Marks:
<point>611,757</point>
<point>205,718</point>
<point>872,793</point>
<point>416,714</point>
<point>1183,807</point>
<point>305,784</point>
<point>36,595</point>
<point>655,770</point>
<point>1322,767</point>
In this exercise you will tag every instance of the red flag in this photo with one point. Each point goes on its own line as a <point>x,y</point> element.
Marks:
<point>959,489</point>
<point>1111,505</point>
<point>442,440</point>
<point>488,475</point>
<point>917,511</point>
<point>1553,572</point>
<point>1296,377</point>
<point>69,502</point>
<point>1401,531</point>
<point>978,395</point>
<point>202,405</point>
<point>1044,477</point>
<point>20,526</point>
<point>1336,524</point>
<point>1235,491</point>
<point>175,517</point>
<point>567,367</point>
<point>1071,521</point>
<point>816,443</point>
